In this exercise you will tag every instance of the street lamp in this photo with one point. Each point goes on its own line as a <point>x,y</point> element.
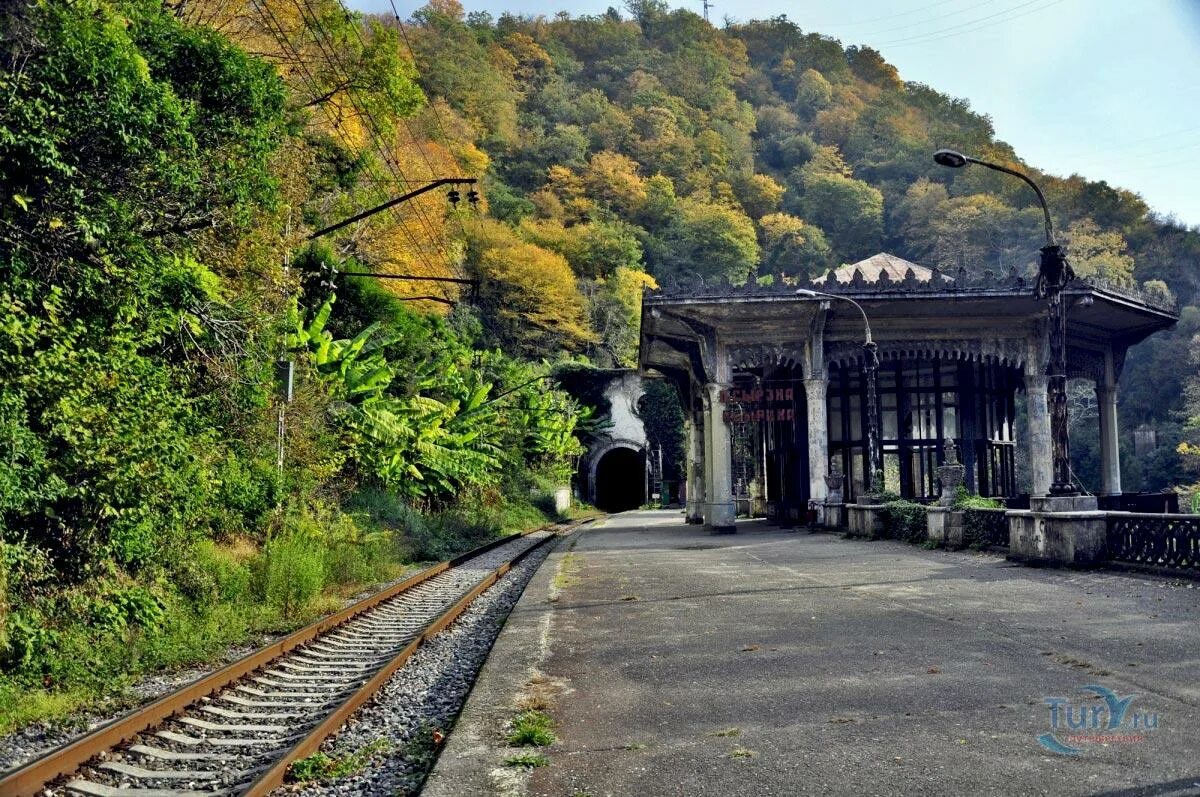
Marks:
<point>871,358</point>
<point>1054,274</point>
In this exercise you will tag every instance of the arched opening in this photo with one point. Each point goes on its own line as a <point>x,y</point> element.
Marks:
<point>621,480</point>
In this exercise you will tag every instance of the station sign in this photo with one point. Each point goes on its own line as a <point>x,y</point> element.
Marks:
<point>759,405</point>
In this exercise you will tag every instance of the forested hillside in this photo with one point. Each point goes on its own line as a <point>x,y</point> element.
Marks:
<point>650,141</point>
<point>163,166</point>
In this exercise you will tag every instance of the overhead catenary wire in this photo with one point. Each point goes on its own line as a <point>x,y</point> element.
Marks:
<point>279,33</point>
<point>971,26</point>
<point>437,117</point>
<point>897,15</point>
<point>1134,144</point>
<point>378,135</point>
<point>926,21</point>
<point>340,72</point>
<point>363,111</point>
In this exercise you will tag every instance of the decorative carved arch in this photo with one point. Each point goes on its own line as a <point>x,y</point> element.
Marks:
<point>770,355</point>
<point>1010,353</point>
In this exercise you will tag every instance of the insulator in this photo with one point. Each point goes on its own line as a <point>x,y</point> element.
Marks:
<point>473,196</point>
<point>453,196</point>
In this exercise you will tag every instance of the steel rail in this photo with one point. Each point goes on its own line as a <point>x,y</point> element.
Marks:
<point>274,776</point>
<point>28,780</point>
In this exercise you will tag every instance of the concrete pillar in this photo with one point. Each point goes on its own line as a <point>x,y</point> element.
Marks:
<point>705,457</point>
<point>815,390</point>
<point>1041,457</point>
<point>694,472</point>
<point>1110,455</point>
<point>718,488</point>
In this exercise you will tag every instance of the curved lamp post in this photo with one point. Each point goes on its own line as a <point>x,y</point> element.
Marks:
<point>1054,274</point>
<point>871,359</point>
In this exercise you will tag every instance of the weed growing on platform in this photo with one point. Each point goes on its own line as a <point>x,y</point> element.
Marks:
<point>531,729</point>
<point>422,748</point>
<point>529,760</point>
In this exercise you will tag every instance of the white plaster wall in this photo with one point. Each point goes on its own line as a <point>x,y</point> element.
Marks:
<point>623,393</point>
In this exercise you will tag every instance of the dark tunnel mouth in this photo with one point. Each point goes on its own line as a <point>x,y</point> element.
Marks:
<point>621,480</point>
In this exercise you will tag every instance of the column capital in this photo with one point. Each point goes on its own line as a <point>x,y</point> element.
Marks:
<point>713,389</point>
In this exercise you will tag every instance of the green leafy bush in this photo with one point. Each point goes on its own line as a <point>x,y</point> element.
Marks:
<point>290,571</point>
<point>355,556</point>
<point>123,607</point>
<point>29,642</point>
<point>215,572</point>
<point>905,520</point>
<point>976,521</point>
<point>966,500</point>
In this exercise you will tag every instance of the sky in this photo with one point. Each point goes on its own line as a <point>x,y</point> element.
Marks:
<point>1109,89</point>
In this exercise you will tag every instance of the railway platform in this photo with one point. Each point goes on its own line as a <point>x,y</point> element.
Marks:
<point>772,662</point>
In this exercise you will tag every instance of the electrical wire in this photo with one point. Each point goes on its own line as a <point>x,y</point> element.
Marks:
<point>433,171</point>
<point>376,128</point>
<point>437,117</point>
<point>925,21</point>
<point>892,16</point>
<point>970,26</point>
<point>279,33</point>
<point>1131,145</point>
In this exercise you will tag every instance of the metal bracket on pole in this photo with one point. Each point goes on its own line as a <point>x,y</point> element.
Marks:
<point>392,203</point>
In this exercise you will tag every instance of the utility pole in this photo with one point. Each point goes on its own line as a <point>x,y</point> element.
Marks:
<point>707,5</point>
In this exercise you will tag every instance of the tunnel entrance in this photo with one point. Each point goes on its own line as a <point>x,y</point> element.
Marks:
<point>621,480</point>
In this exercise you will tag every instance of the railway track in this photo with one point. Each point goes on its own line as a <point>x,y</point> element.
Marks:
<point>238,730</point>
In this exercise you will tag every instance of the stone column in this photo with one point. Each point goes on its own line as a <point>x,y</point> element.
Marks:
<point>1041,457</point>
<point>815,390</point>
<point>706,456</point>
<point>718,489</point>
<point>694,472</point>
<point>1110,455</point>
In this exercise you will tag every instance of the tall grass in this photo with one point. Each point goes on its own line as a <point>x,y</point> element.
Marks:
<point>66,649</point>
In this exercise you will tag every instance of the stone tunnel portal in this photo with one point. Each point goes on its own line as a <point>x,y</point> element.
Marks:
<point>621,480</point>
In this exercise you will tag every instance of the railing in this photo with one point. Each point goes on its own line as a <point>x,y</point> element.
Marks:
<point>1153,503</point>
<point>1159,540</point>
<point>985,528</point>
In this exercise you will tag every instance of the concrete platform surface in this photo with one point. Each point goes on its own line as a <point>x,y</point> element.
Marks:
<point>675,662</point>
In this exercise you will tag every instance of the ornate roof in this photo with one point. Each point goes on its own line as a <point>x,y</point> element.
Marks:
<point>877,276</point>
<point>873,267</point>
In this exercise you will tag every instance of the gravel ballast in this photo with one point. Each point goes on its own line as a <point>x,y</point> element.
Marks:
<point>396,731</point>
<point>39,738</point>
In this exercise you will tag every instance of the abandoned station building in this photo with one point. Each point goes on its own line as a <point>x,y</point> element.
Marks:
<point>774,378</point>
